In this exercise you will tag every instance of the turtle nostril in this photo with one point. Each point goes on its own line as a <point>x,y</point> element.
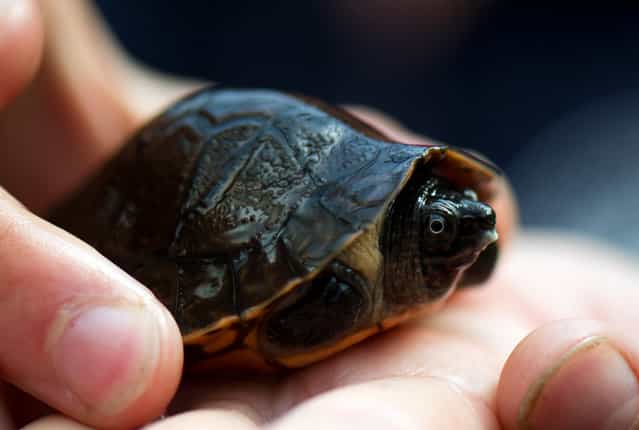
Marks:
<point>483,216</point>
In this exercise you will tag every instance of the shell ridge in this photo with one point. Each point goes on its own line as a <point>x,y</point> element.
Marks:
<point>217,193</point>
<point>192,200</point>
<point>250,146</point>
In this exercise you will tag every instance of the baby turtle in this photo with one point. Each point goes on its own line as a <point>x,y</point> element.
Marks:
<point>279,230</point>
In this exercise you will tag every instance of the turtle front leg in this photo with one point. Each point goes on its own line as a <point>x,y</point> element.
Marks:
<point>323,316</point>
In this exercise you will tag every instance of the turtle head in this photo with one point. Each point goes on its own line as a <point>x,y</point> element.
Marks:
<point>433,234</point>
<point>454,227</point>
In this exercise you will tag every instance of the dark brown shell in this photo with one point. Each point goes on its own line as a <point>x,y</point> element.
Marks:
<point>230,198</point>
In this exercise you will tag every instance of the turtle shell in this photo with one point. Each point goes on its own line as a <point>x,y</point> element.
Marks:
<point>231,198</point>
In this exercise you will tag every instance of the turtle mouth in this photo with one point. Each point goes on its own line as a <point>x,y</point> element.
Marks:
<point>470,251</point>
<point>488,237</point>
<point>485,239</point>
<point>483,267</point>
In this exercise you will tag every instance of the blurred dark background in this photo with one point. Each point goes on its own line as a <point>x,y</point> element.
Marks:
<point>548,91</point>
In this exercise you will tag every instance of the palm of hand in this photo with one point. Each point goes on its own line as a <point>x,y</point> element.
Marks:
<point>443,370</point>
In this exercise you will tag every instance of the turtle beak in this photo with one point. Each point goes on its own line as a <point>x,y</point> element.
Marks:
<point>489,237</point>
<point>478,221</point>
<point>488,223</point>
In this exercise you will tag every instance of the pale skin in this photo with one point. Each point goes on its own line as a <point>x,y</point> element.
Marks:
<point>550,342</point>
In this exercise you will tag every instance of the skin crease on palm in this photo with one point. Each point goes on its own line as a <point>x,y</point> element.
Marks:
<point>550,342</point>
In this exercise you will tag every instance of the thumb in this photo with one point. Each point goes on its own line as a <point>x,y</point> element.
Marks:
<point>572,374</point>
<point>78,333</point>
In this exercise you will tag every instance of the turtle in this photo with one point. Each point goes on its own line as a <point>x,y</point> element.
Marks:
<point>279,230</point>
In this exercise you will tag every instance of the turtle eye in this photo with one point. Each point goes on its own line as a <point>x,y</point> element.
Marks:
<point>436,224</point>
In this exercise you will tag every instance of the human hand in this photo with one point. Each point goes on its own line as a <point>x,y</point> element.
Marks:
<point>443,372</point>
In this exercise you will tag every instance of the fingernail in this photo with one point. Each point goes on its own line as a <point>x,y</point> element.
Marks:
<point>591,387</point>
<point>106,355</point>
